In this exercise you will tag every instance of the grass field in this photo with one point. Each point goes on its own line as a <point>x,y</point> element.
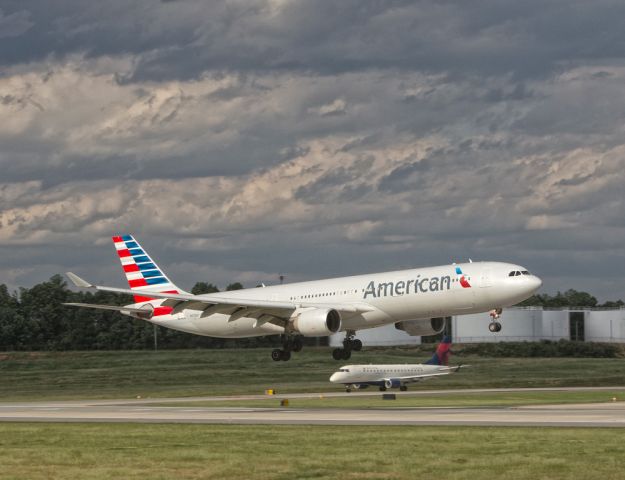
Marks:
<point>104,451</point>
<point>34,376</point>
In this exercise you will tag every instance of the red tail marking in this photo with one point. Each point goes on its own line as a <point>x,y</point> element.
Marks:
<point>133,267</point>
<point>117,239</point>
<point>139,282</point>
<point>123,253</point>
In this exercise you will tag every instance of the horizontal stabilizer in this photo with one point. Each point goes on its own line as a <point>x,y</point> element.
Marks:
<point>79,282</point>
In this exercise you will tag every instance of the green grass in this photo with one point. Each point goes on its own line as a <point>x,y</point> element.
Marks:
<point>459,400</point>
<point>38,376</point>
<point>104,451</point>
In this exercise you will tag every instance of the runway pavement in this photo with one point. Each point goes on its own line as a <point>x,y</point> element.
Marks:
<point>143,411</point>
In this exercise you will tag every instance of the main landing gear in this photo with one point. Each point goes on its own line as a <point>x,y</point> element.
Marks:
<point>494,326</point>
<point>350,343</point>
<point>289,344</point>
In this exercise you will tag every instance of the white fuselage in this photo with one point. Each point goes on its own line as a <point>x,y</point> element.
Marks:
<point>393,297</point>
<point>378,374</point>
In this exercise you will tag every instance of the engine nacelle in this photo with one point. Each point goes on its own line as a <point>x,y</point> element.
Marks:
<point>392,383</point>
<point>318,322</point>
<point>424,326</point>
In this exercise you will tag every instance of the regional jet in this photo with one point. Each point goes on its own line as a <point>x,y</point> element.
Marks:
<point>396,376</point>
<point>414,300</point>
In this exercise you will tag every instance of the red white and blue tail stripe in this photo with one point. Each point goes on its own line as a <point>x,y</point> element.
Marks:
<point>441,356</point>
<point>141,271</point>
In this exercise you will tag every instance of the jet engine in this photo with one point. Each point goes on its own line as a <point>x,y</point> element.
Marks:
<point>318,322</point>
<point>392,383</point>
<point>424,326</point>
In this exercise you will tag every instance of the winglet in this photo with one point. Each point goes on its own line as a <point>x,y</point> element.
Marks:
<point>79,282</point>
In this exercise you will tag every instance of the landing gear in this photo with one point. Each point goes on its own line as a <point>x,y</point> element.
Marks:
<point>494,326</point>
<point>382,388</point>
<point>403,388</point>
<point>349,343</point>
<point>290,344</point>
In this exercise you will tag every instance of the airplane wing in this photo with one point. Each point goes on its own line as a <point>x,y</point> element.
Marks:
<point>216,303</point>
<point>425,376</point>
<point>118,308</point>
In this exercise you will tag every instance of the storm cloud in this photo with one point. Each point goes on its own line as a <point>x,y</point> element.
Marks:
<point>240,140</point>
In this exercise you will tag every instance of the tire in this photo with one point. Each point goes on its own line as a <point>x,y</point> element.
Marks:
<point>297,344</point>
<point>403,388</point>
<point>497,327</point>
<point>382,389</point>
<point>357,345</point>
<point>492,327</point>
<point>276,355</point>
<point>346,354</point>
<point>337,354</point>
<point>286,356</point>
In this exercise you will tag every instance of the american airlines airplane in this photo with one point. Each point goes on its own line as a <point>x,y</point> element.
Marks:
<point>396,376</point>
<point>414,300</point>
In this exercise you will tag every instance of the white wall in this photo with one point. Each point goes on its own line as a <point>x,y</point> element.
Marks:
<point>518,324</point>
<point>380,336</point>
<point>555,325</point>
<point>605,326</point>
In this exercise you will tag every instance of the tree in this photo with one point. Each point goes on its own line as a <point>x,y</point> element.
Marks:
<point>203,287</point>
<point>234,286</point>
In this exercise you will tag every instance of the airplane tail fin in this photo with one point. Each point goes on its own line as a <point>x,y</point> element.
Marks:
<point>441,356</point>
<point>141,271</point>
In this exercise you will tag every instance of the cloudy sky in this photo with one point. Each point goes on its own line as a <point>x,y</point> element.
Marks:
<point>240,140</point>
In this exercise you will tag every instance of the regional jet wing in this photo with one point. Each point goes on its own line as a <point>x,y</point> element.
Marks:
<point>425,376</point>
<point>181,301</point>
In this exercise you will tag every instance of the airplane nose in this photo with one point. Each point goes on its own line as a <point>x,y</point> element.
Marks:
<point>334,377</point>
<point>536,282</point>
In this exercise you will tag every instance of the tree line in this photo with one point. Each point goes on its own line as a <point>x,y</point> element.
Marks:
<point>35,319</point>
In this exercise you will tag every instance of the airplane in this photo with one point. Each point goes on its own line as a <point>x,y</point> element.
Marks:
<point>414,300</point>
<point>396,376</point>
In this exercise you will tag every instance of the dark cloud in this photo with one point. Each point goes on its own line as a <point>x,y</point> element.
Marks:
<point>242,139</point>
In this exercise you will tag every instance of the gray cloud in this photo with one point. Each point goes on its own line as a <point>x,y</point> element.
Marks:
<point>242,139</point>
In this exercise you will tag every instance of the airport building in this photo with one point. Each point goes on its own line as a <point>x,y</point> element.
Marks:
<point>518,325</point>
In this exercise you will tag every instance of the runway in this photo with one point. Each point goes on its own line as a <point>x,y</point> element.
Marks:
<point>143,411</point>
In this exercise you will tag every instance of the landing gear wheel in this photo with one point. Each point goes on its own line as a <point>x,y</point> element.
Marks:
<point>276,355</point>
<point>348,390</point>
<point>357,345</point>
<point>382,389</point>
<point>346,354</point>
<point>494,327</point>
<point>297,344</point>
<point>337,354</point>
<point>286,356</point>
<point>403,388</point>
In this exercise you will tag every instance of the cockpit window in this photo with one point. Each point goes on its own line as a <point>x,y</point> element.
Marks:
<point>516,273</point>
<point>346,370</point>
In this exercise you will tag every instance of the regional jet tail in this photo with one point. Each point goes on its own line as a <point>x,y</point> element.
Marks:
<point>396,376</point>
<point>413,300</point>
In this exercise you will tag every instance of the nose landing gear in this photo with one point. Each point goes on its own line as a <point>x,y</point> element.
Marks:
<point>494,326</point>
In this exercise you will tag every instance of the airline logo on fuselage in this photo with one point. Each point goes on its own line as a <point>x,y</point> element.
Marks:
<point>406,287</point>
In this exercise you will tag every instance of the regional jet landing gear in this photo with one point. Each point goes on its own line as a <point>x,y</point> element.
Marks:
<point>289,344</point>
<point>349,343</point>
<point>494,326</point>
